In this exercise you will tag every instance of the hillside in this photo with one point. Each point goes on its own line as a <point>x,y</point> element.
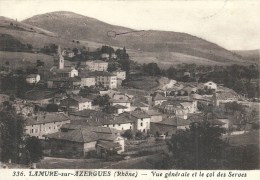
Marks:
<point>155,44</point>
<point>251,55</point>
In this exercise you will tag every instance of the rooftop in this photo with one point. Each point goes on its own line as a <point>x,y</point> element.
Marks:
<point>175,121</point>
<point>32,76</point>
<point>65,79</point>
<point>83,135</point>
<point>159,97</point>
<point>47,118</point>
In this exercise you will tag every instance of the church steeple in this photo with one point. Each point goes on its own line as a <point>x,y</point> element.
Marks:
<point>61,59</point>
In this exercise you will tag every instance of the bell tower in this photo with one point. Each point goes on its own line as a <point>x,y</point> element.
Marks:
<point>60,59</point>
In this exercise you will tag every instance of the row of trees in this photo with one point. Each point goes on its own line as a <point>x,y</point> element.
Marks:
<point>237,77</point>
<point>15,146</point>
<point>202,147</point>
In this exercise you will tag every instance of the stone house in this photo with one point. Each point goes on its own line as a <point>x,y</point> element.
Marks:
<point>76,103</point>
<point>80,141</point>
<point>33,78</point>
<point>44,124</point>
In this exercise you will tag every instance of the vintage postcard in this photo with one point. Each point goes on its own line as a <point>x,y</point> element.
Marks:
<point>129,89</point>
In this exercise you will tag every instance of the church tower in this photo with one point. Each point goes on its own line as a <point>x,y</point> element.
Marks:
<point>58,59</point>
<point>61,59</point>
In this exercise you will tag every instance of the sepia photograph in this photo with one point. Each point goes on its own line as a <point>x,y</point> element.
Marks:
<point>144,85</point>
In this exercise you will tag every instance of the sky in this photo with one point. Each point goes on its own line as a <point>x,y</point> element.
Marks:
<point>232,24</point>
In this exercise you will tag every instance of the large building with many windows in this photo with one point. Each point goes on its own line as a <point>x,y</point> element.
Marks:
<point>97,65</point>
<point>106,79</point>
<point>44,124</point>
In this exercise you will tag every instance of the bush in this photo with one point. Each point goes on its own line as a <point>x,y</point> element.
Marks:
<point>139,135</point>
<point>128,134</point>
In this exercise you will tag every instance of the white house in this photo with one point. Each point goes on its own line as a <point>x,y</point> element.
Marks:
<point>76,103</point>
<point>88,81</point>
<point>68,72</point>
<point>210,85</point>
<point>33,78</point>
<point>158,99</point>
<point>122,102</point>
<point>120,74</point>
<point>107,79</point>
<point>97,65</point>
<point>44,124</point>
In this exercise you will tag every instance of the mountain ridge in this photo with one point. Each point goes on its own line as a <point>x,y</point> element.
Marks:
<point>162,47</point>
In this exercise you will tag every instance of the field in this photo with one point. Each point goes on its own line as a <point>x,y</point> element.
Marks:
<point>143,82</point>
<point>144,162</point>
<point>245,139</point>
<point>22,59</point>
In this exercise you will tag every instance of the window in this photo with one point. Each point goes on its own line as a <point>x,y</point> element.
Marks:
<point>31,130</point>
<point>113,125</point>
<point>122,128</point>
<point>141,124</point>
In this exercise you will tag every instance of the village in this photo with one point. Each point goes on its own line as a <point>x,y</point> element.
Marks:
<point>85,111</point>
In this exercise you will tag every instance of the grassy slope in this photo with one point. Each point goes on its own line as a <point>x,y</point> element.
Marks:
<point>22,59</point>
<point>249,54</point>
<point>181,46</point>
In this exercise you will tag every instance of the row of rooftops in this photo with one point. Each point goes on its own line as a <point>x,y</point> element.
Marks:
<point>84,134</point>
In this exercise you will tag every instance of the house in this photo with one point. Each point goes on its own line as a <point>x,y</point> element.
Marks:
<point>113,56</point>
<point>178,107</point>
<point>120,74</point>
<point>223,97</point>
<point>44,124</point>
<point>169,126</point>
<point>64,83</point>
<point>141,120</point>
<point>88,80</point>
<point>122,102</point>
<point>58,97</point>
<point>120,109</point>
<point>158,99</point>
<point>76,103</point>
<point>190,89</point>
<point>97,65</point>
<point>33,78</point>
<point>106,79</point>
<point>136,104</point>
<point>105,56</point>
<point>210,85</point>
<point>84,140</point>
<point>186,73</point>
<point>155,115</point>
<point>68,53</point>
<point>67,72</point>
<point>98,118</point>
<point>135,120</point>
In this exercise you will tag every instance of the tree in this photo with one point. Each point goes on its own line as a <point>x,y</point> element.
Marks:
<point>39,63</point>
<point>101,100</point>
<point>111,67</point>
<point>152,69</point>
<point>110,109</point>
<point>11,135</point>
<point>234,106</point>
<point>34,147</point>
<point>198,147</point>
<point>52,108</point>
<point>128,134</point>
